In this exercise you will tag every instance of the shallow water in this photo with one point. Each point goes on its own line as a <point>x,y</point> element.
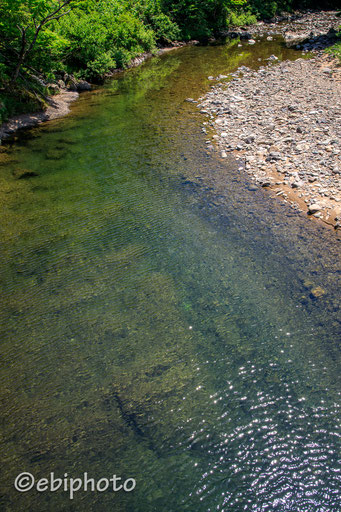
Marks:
<point>157,316</point>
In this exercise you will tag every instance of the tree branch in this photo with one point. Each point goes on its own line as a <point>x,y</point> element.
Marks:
<point>47,19</point>
<point>60,15</point>
<point>25,48</point>
<point>21,55</point>
<point>50,16</point>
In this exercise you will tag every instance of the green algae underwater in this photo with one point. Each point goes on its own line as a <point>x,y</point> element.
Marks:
<point>157,315</point>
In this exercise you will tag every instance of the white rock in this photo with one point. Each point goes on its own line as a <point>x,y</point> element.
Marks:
<point>314,208</point>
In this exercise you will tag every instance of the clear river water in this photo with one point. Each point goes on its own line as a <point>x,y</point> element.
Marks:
<point>157,320</point>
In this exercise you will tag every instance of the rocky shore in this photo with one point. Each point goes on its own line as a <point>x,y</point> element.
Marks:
<point>305,30</point>
<point>282,124</point>
<point>58,106</point>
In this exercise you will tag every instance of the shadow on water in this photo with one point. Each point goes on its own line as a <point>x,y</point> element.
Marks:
<point>159,318</point>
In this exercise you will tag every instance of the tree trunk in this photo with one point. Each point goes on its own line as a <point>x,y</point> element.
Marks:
<point>20,59</point>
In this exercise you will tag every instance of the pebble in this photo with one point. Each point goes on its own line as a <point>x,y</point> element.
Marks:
<point>314,208</point>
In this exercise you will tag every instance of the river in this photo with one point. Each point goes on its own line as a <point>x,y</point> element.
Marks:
<point>157,315</point>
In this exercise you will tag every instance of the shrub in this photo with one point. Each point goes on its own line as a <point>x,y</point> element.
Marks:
<point>336,49</point>
<point>101,38</point>
<point>243,18</point>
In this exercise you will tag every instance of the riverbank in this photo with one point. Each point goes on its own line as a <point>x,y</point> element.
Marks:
<point>310,30</point>
<point>58,106</point>
<point>65,94</point>
<point>282,124</point>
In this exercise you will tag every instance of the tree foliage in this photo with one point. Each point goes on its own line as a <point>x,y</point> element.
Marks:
<point>103,35</point>
<point>88,38</point>
<point>25,34</point>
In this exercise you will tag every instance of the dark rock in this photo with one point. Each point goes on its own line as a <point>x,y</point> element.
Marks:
<point>77,85</point>
<point>83,85</point>
<point>250,139</point>
<point>23,174</point>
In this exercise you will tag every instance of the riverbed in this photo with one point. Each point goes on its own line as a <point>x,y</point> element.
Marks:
<point>162,318</point>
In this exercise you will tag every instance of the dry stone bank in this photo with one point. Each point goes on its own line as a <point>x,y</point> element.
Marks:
<point>282,123</point>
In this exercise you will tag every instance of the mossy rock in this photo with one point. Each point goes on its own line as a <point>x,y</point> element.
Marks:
<point>317,292</point>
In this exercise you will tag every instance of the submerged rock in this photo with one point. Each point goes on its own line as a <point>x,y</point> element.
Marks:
<point>23,174</point>
<point>317,292</point>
